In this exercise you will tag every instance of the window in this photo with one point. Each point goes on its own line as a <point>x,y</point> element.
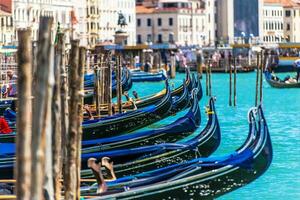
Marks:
<point>171,38</point>
<point>288,27</point>
<point>148,22</point>
<point>287,13</point>
<point>159,39</point>
<point>2,22</point>
<point>138,22</point>
<point>149,38</point>
<point>170,21</point>
<point>159,22</point>
<point>139,39</point>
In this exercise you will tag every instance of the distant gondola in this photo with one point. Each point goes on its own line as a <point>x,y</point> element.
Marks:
<point>133,161</point>
<point>275,82</point>
<point>152,99</point>
<point>202,178</point>
<point>140,76</point>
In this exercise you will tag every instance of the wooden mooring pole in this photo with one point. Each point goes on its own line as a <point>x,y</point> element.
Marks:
<point>71,179</point>
<point>264,56</point>
<point>109,85</point>
<point>210,82</point>
<point>79,97</point>
<point>206,76</point>
<point>230,81</point>
<point>119,83</point>
<point>257,78</point>
<point>56,120</point>
<point>234,83</point>
<point>64,105</point>
<point>41,177</point>
<point>24,117</point>
<point>96,88</point>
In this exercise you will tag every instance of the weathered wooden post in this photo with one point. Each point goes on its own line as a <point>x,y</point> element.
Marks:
<point>109,85</point>
<point>173,65</point>
<point>257,78</point>
<point>209,89</point>
<point>119,84</point>
<point>264,57</point>
<point>41,128</point>
<point>72,143</point>
<point>24,117</point>
<point>56,119</point>
<point>234,83</point>
<point>101,81</point>
<point>64,102</point>
<point>206,76</point>
<point>96,89</point>
<point>230,81</point>
<point>80,95</point>
<point>34,66</point>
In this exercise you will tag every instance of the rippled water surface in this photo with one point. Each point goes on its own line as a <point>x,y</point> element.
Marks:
<point>282,111</point>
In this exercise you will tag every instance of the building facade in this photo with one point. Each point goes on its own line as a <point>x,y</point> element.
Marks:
<point>281,21</point>
<point>273,23</point>
<point>69,14</point>
<point>93,25</point>
<point>291,19</point>
<point>179,21</point>
<point>6,28</point>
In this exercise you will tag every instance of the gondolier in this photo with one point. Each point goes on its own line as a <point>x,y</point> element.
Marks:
<point>297,65</point>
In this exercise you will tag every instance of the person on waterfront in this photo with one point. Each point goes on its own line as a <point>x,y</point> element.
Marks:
<point>88,111</point>
<point>11,76</point>
<point>147,67</point>
<point>297,65</point>
<point>5,90</point>
<point>136,61</point>
<point>4,127</point>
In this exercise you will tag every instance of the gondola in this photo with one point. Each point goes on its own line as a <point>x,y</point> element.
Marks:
<point>89,91</point>
<point>89,79</point>
<point>277,83</point>
<point>119,123</point>
<point>133,161</point>
<point>202,178</point>
<point>129,121</point>
<point>140,76</point>
<point>126,85</point>
<point>181,128</point>
<point>153,112</point>
<point>146,101</point>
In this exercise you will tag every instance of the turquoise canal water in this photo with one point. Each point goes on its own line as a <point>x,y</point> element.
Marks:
<point>282,110</point>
